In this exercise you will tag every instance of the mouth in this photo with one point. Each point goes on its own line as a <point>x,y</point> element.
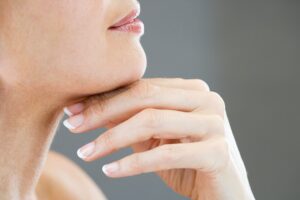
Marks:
<point>130,23</point>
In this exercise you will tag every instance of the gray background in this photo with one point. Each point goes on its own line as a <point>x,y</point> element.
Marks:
<point>249,52</point>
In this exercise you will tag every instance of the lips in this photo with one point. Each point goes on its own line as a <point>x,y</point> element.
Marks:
<point>129,23</point>
<point>127,19</point>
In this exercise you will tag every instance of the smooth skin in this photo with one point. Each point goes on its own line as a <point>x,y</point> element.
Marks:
<point>56,53</point>
<point>177,128</point>
<point>62,179</point>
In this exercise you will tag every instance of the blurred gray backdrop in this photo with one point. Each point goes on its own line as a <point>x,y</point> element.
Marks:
<point>249,52</point>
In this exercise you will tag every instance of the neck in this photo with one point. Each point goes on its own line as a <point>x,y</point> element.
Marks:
<point>27,127</point>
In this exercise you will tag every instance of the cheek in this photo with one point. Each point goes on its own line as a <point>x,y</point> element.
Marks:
<point>70,44</point>
<point>52,33</point>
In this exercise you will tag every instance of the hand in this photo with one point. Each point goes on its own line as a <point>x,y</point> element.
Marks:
<point>176,128</point>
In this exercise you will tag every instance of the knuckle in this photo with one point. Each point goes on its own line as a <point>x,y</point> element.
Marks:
<point>135,163</point>
<point>144,90</point>
<point>151,118</point>
<point>179,80</point>
<point>219,124</point>
<point>107,140</point>
<point>200,84</point>
<point>217,101</point>
<point>215,97</point>
<point>169,153</point>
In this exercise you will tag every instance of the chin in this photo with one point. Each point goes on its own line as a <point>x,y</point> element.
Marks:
<point>117,74</point>
<point>141,66</point>
<point>133,70</point>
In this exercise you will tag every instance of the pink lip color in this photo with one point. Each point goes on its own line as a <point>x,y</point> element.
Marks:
<point>134,26</point>
<point>129,23</point>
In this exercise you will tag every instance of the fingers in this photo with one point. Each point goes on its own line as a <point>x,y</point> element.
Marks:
<point>209,156</point>
<point>77,108</point>
<point>151,123</point>
<point>188,84</point>
<point>103,111</point>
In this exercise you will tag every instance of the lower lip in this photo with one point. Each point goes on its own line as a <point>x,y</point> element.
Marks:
<point>136,26</point>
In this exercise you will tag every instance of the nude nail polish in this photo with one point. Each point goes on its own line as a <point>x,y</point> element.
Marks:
<point>74,109</point>
<point>86,150</point>
<point>74,122</point>
<point>110,168</point>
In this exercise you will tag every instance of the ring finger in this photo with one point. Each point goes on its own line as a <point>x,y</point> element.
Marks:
<point>152,123</point>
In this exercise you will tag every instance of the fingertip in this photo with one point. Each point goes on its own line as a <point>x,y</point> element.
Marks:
<point>86,151</point>
<point>111,169</point>
<point>74,122</point>
<point>74,109</point>
<point>67,124</point>
<point>68,112</point>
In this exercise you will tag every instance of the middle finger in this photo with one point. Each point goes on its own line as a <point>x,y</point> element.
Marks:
<point>124,105</point>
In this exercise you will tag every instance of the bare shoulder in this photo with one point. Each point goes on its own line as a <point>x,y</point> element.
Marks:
<point>62,179</point>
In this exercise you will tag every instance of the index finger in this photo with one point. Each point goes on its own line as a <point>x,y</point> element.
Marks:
<point>104,111</point>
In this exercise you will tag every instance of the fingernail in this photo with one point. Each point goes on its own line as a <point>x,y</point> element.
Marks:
<point>86,150</point>
<point>74,109</point>
<point>110,168</point>
<point>68,112</point>
<point>74,122</point>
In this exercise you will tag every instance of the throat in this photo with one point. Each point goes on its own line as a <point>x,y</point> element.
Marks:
<point>26,129</point>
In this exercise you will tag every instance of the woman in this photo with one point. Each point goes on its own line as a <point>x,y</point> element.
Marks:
<point>85,56</point>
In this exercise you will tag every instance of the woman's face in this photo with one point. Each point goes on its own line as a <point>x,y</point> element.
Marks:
<point>66,45</point>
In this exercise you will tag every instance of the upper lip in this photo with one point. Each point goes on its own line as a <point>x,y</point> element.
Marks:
<point>133,14</point>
